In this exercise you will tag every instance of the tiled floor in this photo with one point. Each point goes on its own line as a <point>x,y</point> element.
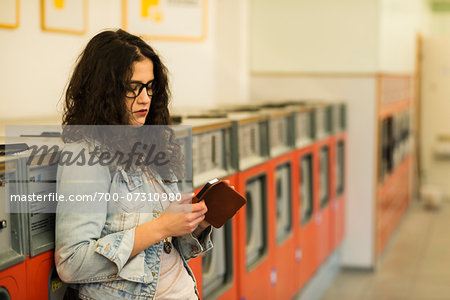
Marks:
<point>416,266</point>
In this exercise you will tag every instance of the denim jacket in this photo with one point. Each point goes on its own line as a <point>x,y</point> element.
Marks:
<point>93,247</point>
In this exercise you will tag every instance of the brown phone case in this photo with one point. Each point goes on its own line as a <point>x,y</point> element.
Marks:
<point>222,202</point>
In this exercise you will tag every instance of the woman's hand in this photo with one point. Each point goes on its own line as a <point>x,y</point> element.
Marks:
<point>182,217</point>
<point>179,218</point>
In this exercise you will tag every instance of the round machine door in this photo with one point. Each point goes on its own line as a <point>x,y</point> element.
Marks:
<point>4,295</point>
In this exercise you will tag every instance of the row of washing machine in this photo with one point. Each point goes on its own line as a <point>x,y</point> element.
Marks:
<point>287,159</point>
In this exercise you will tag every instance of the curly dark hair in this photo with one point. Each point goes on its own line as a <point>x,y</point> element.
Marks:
<point>96,96</point>
<point>96,92</point>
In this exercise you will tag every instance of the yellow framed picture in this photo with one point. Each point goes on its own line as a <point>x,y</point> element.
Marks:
<point>9,13</point>
<point>167,20</point>
<point>64,16</point>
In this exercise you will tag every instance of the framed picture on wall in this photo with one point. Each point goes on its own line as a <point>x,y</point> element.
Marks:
<point>64,16</point>
<point>9,13</point>
<point>170,20</point>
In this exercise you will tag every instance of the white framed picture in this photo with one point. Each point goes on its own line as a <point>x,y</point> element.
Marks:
<point>170,20</point>
<point>64,16</point>
<point>9,13</point>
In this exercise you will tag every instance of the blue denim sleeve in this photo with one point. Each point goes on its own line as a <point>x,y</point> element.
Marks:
<point>192,246</point>
<point>82,255</point>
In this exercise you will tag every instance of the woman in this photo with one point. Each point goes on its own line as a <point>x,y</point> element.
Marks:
<point>123,249</point>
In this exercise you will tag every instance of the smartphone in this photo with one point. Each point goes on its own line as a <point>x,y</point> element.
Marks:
<point>206,187</point>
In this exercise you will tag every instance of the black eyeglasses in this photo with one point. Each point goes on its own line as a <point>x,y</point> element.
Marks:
<point>136,88</point>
